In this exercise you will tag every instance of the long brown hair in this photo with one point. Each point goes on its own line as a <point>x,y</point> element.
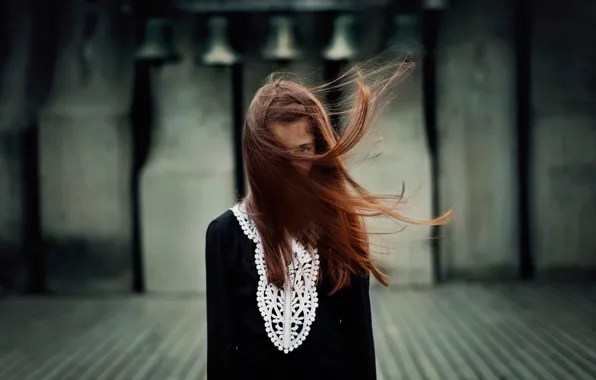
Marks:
<point>325,209</point>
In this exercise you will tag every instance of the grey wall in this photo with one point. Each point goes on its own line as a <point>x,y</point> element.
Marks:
<point>189,177</point>
<point>477,140</point>
<point>398,144</point>
<point>563,139</point>
<point>85,156</point>
<point>477,113</point>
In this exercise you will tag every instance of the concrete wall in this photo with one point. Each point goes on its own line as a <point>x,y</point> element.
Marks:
<point>189,177</point>
<point>14,55</point>
<point>563,140</point>
<point>477,143</point>
<point>401,157</point>
<point>85,155</point>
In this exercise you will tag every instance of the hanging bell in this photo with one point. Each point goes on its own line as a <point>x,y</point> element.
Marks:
<point>281,45</point>
<point>158,42</point>
<point>219,51</point>
<point>342,45</point>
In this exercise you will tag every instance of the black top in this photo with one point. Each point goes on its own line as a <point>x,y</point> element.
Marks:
<point>339,345</point>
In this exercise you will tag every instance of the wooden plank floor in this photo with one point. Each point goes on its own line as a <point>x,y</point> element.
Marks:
<point>458,331</point>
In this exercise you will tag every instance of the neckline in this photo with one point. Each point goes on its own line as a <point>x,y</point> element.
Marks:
<point>287,313</point>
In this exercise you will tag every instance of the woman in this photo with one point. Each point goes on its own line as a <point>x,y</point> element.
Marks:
<point>288,268</point>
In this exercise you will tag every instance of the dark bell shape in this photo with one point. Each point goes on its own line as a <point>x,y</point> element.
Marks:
<point>158,46</point>
<point>342,46</point>
<point>281,44</point>
<point>219,51</point>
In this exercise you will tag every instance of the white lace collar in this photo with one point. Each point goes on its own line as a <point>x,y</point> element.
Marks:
<point>287,313</point>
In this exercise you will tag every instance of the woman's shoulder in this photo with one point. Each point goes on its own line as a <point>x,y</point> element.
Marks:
<point>226,230</point>
<point>225,222</point>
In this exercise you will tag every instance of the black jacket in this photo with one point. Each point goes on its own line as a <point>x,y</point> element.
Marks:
<point>340,344</point>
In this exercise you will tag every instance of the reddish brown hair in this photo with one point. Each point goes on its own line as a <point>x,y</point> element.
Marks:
<point>327,208</point>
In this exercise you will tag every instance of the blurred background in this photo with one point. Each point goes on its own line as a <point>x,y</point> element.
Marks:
<point>120,125</point>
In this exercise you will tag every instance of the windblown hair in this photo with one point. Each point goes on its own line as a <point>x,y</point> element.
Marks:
<point>325,209</point>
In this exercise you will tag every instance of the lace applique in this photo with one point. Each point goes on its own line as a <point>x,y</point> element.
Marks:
<point>288,313</point>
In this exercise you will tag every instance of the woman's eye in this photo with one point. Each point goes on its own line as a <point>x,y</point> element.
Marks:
<point>305,149</point>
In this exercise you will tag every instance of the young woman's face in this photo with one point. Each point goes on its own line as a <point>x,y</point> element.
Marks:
<point>297,136</point>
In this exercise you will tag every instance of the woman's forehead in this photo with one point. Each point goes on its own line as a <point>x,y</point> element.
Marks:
<point>293,133</point>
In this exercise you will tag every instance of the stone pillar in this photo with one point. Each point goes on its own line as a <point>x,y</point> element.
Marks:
<point>189,177</point>
<point>476,124</point>
<point>14,47</point>
<point>401,157</point>
<point>85,152</point>
<point>563,138</point>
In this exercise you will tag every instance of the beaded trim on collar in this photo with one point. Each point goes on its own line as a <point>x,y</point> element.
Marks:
<point>288,313</point>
